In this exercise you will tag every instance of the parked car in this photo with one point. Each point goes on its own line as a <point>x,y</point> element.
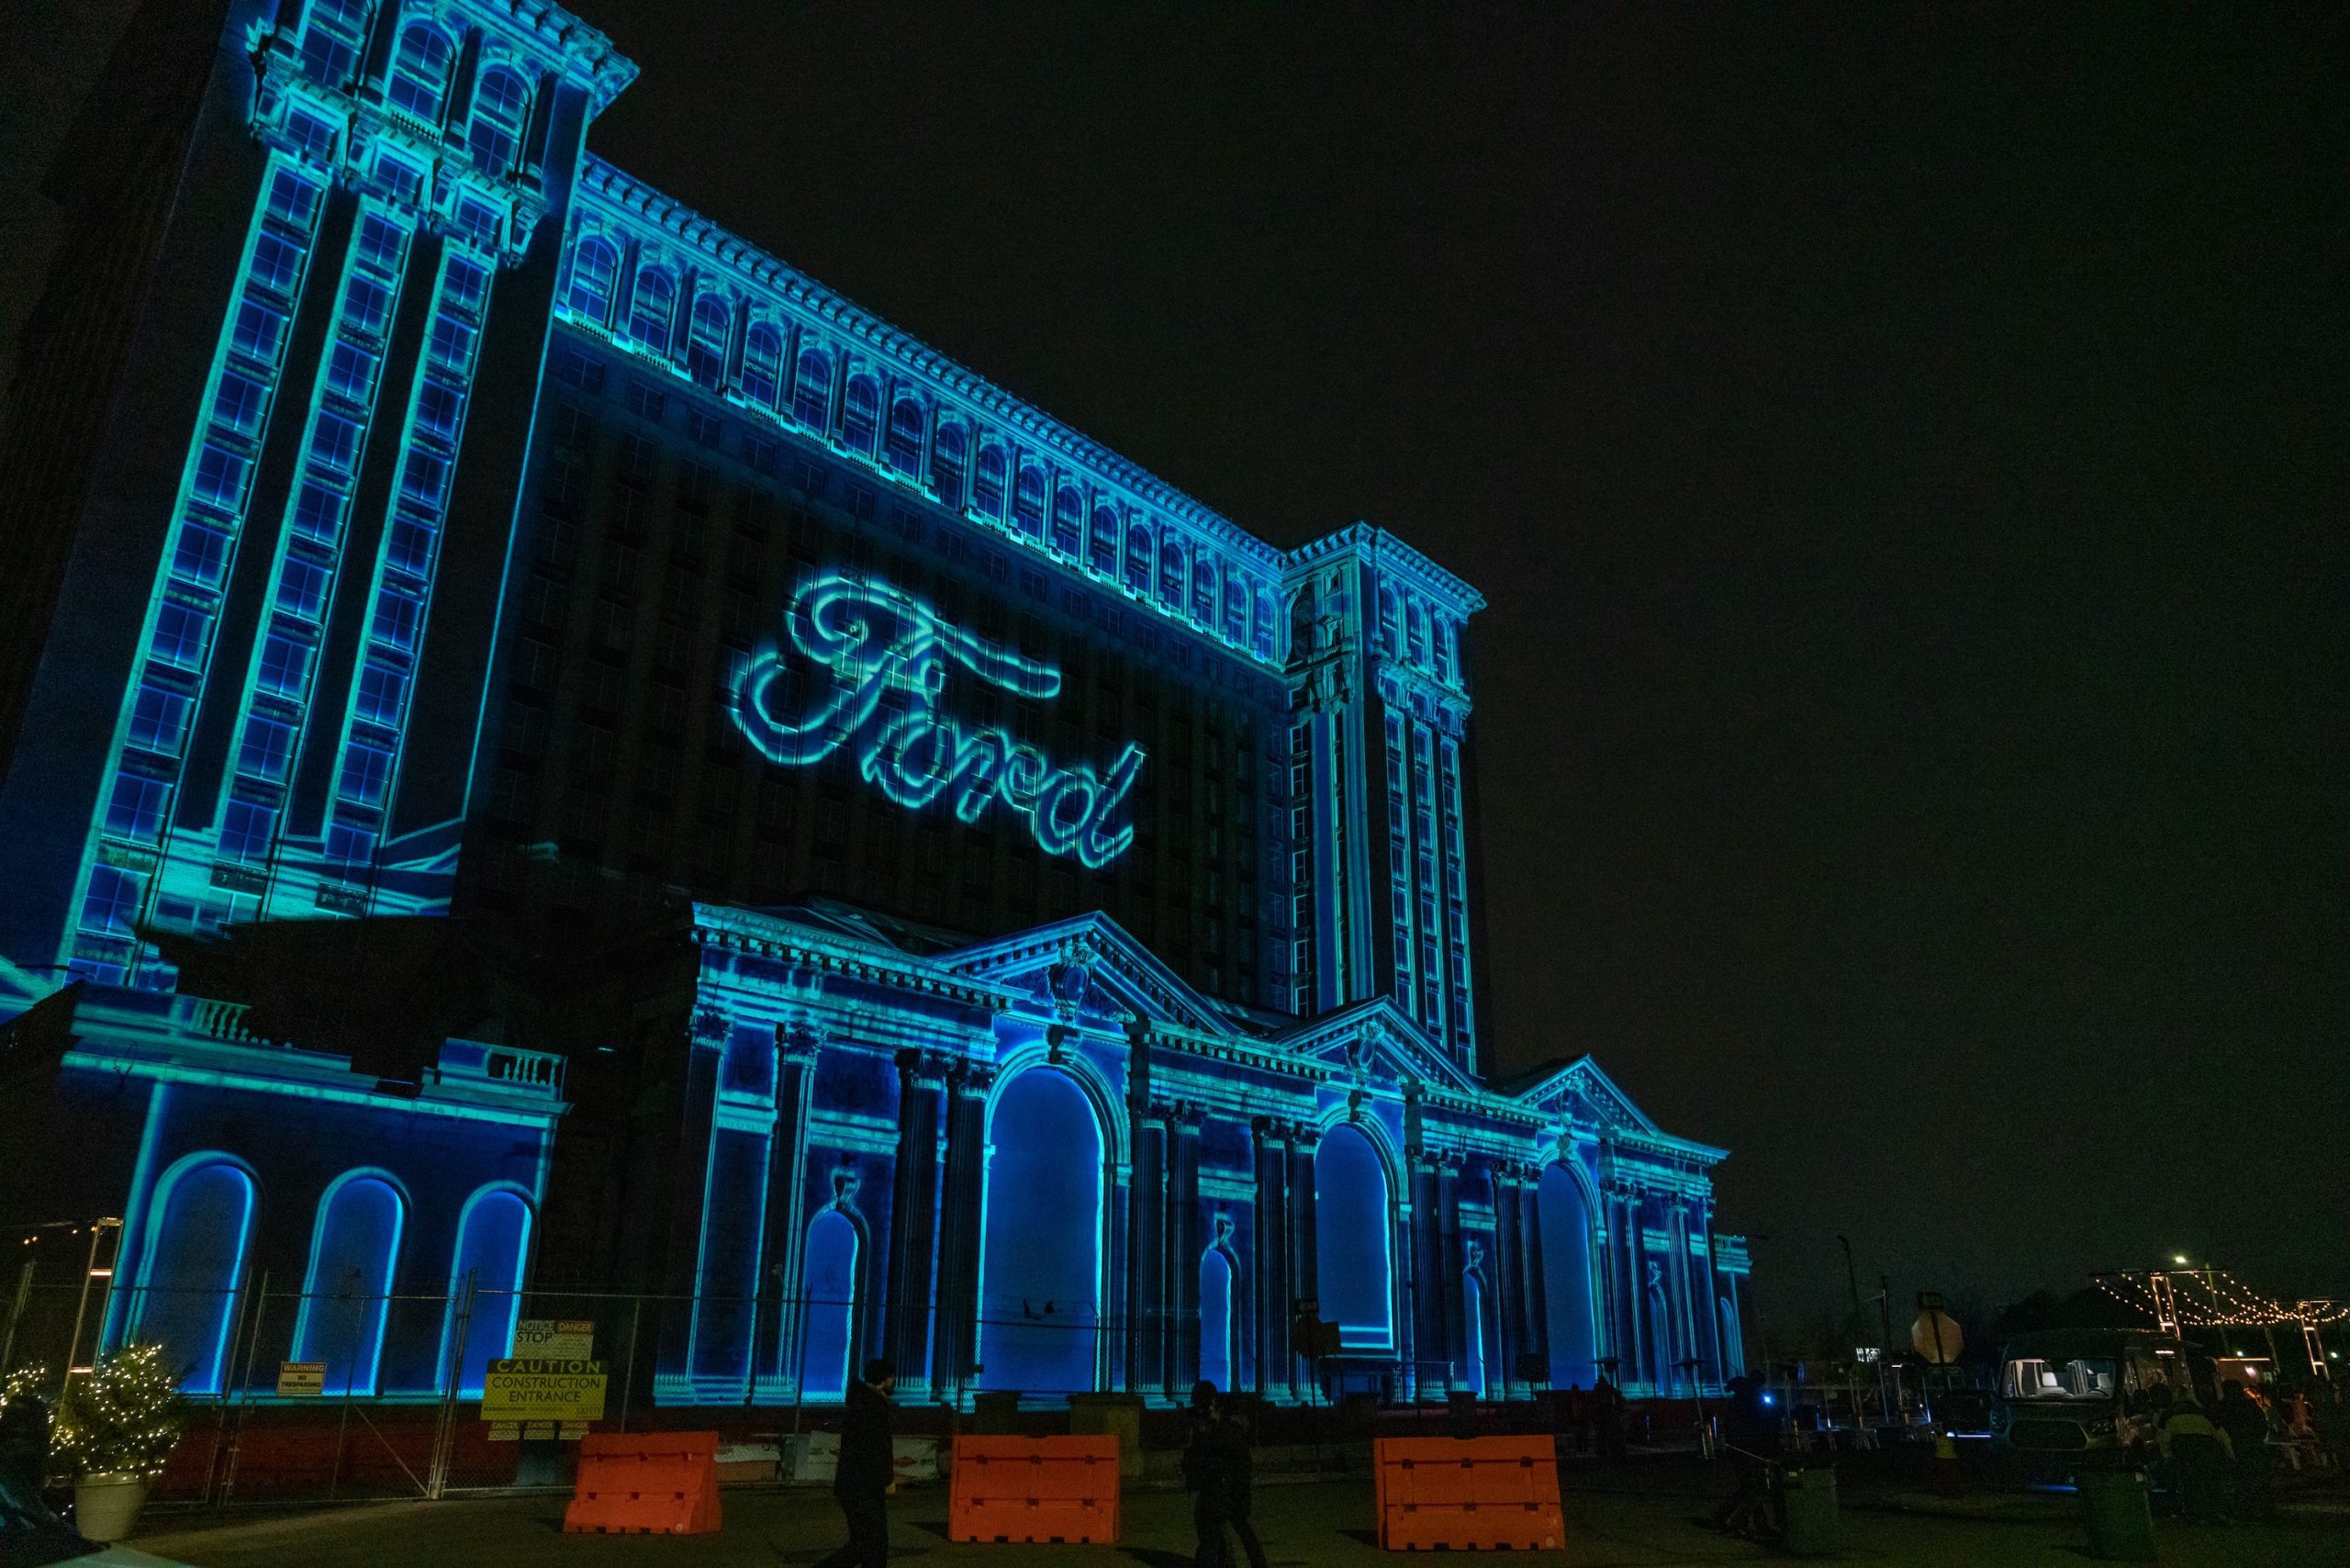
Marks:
<point>33,1537</point>
<point>2067,1394</point>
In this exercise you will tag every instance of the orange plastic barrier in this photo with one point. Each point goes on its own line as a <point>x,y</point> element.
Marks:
<point>1468,1493</point>
<point>646,1483</point>
<point>1035,1489</point>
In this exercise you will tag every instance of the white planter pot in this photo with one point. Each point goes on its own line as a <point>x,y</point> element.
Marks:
<point>107,1504</point>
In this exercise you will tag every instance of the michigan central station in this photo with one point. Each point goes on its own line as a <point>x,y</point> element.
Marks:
<point>546,749</point>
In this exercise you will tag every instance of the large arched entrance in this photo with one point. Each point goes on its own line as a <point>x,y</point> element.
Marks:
<point>1216,1318</point>
<point>828,1318</point>
<point>1565,1224</point>
<point>1353,1272</point>
<point>1040,1257</point>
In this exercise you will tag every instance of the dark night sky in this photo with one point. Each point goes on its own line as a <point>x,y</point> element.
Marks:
<point>1904,457</point>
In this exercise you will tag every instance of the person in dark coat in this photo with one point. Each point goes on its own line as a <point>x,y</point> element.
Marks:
<point>868,1471</point>
<point>2246,1425</point>
<point>24,1442</point>
<point>1208,1476</point>
<point>1240,1478</point>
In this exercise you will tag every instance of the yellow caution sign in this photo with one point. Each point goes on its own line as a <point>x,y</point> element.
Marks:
<point>521,1390</point>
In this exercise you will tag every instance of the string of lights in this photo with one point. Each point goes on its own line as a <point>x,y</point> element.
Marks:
<point>2226,1301</point>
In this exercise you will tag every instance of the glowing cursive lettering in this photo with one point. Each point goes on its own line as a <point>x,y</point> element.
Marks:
<point>889,653</point>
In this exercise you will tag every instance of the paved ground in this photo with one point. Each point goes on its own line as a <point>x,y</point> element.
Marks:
<point>1314,1524</point>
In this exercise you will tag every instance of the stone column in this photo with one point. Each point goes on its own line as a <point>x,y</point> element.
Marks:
<point>1144,1339</point>
<point>1431,1345</point>
<point>957,1350</point>
<point>1306,1259</point>
<point>1534,1286</point>
<point>787,1211</point>
<point>1269,1291</point>
<point>1636,1273</point>
<point>1453,1263</point>
<point>913,1221</point>
<point>1182,1343</point>
<point>688,1170</point>
<point>1709,1330</point>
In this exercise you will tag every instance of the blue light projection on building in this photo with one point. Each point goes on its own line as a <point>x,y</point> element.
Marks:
<point>1051,961</point>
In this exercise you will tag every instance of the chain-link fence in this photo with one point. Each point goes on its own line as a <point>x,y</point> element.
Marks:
<point>341,1393</point>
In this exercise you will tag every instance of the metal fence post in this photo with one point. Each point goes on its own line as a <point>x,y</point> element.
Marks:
<point>436,1483</point>
<point>628,1376</point>
<point>244,1390</point>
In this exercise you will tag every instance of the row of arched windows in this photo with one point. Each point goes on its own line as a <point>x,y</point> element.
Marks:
<point>421,78</point>
<point>1412,634</point>
<point>202,1220</point>
<point>831,397</point>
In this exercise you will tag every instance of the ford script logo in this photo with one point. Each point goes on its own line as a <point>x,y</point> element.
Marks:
<point>887,656</point>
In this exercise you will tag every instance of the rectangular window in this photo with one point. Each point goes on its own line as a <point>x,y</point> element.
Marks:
<point>136,808</point>
<point>239,403</point>
<point>381,691</point>
<point>365,772</point>
<point>268,750</point>
<point>285,666</point>
<point>200,553</point>
<point>246,829</point>
<point>466,282</point>
<point>334,442</point>
<point>424,480</point>
<point>159,718</point>
<point>409,547</point>
<point>380,244</point>
<point>318,513</point>
<point>278,263</point>
<point>644,400</point>
<point>397,620</point>
<point>180,632</point>
<point>292,199</point>
<point>350,373</point>
<point>439,408</point>
<point>704,428</point>
<point>221,477</point>
<point>452,347</point>
<point>302,588</point>
<point>367,305</point>
<point>260,332</point>
<point>112,903</point>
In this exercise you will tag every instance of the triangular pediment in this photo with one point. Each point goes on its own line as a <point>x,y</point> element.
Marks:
<point>1571,1089</point>
<point>1090,962</point>
<point>1377,1037</point>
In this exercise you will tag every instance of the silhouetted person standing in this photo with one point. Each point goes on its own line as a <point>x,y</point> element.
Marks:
<point>1208,1476</point>
<point>868,1471</point>
<point>1240,1478</point>
<point>2246,1425</point>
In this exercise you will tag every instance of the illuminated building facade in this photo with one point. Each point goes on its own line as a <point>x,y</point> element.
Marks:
<point>544,746</point>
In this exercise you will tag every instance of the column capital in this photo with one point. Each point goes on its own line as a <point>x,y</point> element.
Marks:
<point>973,1078</point>
<point>921,1068</point>
<point>800,1039</point>
<point>1269,1129</point>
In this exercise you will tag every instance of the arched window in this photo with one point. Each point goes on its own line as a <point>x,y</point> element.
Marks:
<point>1040,1256</point>
<point>493,1242</point>
<point>1236,610</point>
<point>595,268</point>
<point>331,33</point>
<point>1203,590</point>
<point>1216,1318</point>
<point>1174,567</point>
<point>906,422</point>
<point>987,482</point>
<point>1102,542</point>
<point>713,324</point>
<point>494,130</point>
<point>654,310</point>
<point>1445,649</point>
<point>419,79</point>
<point>948,450</point>
<point>861,415</point>
<point>1138,562</point>
<point>828,1316</point>
<point>1350,1216</point>
<point>196,1256</point>
<point>1417,654</point>
<point>347,1291</point>
<point>1390,623</point>
<point>762,365</point>
<point>811,390</point>
<point>1028,501</point>
<point>1261,625</point>
<point>1069,525</point>
<point>1563,1232</point>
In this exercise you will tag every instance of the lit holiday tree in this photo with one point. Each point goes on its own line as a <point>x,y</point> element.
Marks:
<point>124,1416</point>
